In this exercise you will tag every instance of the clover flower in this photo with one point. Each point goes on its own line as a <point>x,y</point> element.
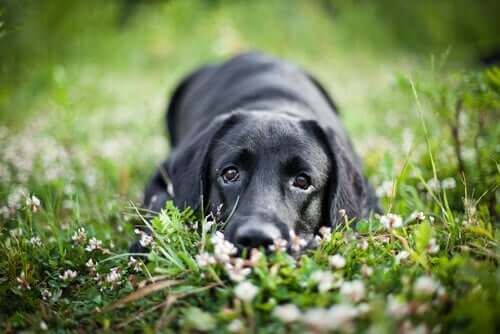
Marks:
<point>367,271</point>
<point>246,291</point>
<point>145,240</point>
<point>35,241</point>
<point>338,317</point>
<point>425,286</point>
<point>353,290</point>
<point>114,277</point>
<point>433,246</point>
<point>5,212</point>
<point>46,294</point>
<point>448,183</point>
<point>94,244</point>
<point>325,232</point>
<point>33,203</point>
<point>134,264</point>
<point>223,249</point>
<point>391,221</point>
<point>255,256</point>
<point>68,275</point>
<point>296,242</point>
<point>237,272</point>
<point>80,236</point>
<point>204,259</point>
<point>279,244</point>
<point>287,313</point>
<point>396,308</point>
<point>417,215</point>
<point>342,316</point>
<point>402,256</point>
<point>91,265</point>
<point>23,283</point>
<point>324,280</point>
<point>337,261</point>
<point>318,318</point>
<point>385,189</point>
<point>235,326</point>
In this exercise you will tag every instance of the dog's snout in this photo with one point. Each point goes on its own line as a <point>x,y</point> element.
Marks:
<point>256,236</point>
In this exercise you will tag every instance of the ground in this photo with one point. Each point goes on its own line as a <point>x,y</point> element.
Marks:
<point>82,98</point>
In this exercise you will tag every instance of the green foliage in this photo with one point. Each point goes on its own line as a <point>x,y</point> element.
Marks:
<point>83,90</point>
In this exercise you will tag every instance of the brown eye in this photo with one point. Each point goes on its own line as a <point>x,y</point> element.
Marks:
<point>302,181</point>
<point>230,174</point>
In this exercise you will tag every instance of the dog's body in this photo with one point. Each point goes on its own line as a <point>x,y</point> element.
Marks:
<point>262,139</point>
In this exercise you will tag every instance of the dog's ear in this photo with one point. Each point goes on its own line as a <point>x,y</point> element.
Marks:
<point>187,165</point>
<point>348,190</point>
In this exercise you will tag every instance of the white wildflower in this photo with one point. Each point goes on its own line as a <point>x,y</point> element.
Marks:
<point>237,272</point>
<point>94,244</point>
<point>434,184</point>
<point>425,286</point>
<point>246,291</point>
<point>91,265</point>
<point>114,277</point>
<point>342,316</point>
<point>14,200</point>
<point>68,275</point>
<point>204,259</point>
<point>255,256</point>
<point>134,264</point>
<point>287,313</point>
<point>363,309</point>
<point>36,241</point>
<point>402,256</point>
<point>23,283</point>
<point>223,249</point>
<point>337,261</point>
<point>354,291</point>
<point>448,183</point>
<point>296,242</point>
<point>432,247</point>
<point>5,212</point>
<point>363,244</point>
<point>391,221</point>
<point>325,232</point>
<point>46,294</point>
<point>235,326</point>
<point>145,240</point>
<point>343,213</point>
<point>385,189</point>
<point>319,319</point>
<point>43,325</point>
<point>80,236</point>
<point>33,203</point>
<point>417,215</point>
<point>396,308</point>
<point>324,279</point>
<point>279,245</point>
<point>367,271</point>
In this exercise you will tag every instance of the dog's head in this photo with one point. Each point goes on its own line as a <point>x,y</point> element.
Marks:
<point>271,174</point>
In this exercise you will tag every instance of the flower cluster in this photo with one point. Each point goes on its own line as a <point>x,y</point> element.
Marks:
<point>337,317</point>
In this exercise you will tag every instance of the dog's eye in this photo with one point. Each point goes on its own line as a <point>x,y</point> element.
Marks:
<point>230,174</point>
<point>302,181</point>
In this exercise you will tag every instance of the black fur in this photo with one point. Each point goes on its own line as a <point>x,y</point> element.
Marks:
<point>271,121</point>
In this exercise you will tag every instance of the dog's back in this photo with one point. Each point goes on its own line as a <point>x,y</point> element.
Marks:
<point>247,81</point>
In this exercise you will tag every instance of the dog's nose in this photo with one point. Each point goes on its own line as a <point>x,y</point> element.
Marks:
<point>255,237</point>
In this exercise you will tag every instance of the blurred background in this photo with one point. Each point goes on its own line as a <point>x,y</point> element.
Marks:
<point>94,76</point>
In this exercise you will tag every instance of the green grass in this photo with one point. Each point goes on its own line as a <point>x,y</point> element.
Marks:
<point>81,105</point>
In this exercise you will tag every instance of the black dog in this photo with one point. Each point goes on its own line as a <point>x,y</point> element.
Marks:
<point>263,140</point>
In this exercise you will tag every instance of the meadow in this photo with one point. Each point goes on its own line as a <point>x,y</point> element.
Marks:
<point>83,89</point>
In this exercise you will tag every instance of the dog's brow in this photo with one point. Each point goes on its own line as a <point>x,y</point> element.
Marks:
<point>232,147</point>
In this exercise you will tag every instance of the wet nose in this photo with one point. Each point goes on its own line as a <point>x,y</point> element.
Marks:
<point>255,237</point>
